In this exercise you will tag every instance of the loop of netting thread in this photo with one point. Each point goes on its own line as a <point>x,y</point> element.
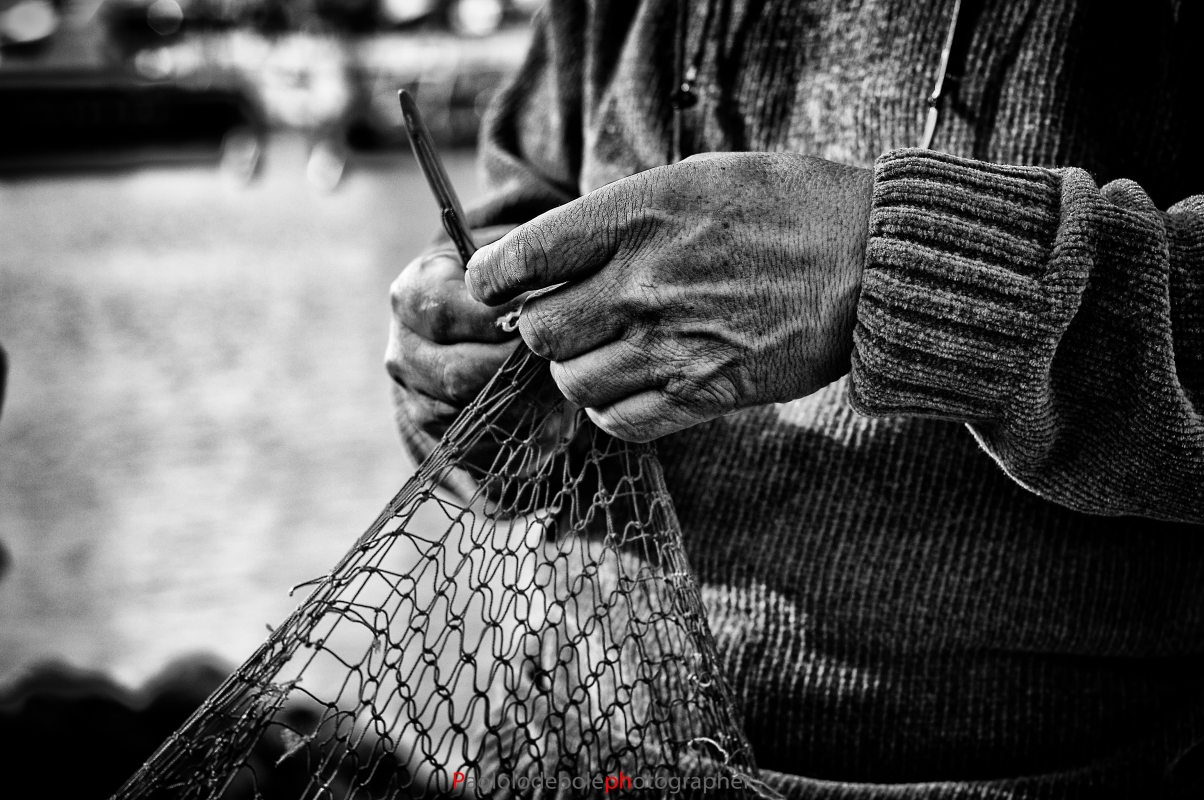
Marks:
<point>543,637</point>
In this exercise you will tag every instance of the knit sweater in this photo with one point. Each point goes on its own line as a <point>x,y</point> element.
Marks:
<point>975,566</point>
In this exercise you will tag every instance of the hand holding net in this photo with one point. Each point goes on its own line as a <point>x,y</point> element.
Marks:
<point>548,640</point>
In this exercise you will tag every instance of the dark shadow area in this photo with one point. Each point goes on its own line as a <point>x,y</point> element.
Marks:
<point>67,124</point>
<point>82,735</point>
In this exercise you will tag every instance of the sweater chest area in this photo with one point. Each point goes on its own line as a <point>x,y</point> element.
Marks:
<point>1033,82</point>
<point>904,534</point>
<point>889,606</point>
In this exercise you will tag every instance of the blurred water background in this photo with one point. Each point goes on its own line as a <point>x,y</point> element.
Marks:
<point>200,216</point>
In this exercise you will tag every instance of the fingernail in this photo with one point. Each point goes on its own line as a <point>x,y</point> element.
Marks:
<point>473,268</point>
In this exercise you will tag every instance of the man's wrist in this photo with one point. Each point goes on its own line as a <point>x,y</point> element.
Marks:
<point>951,316</point>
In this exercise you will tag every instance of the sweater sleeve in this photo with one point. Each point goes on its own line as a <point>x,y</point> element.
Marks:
<point>1062,321</point>
<point>531,138</point>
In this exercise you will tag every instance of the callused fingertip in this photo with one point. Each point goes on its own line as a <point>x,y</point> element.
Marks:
<point>474,271</point>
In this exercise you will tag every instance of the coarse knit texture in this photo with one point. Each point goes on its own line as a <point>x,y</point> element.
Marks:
<point>975,566</point>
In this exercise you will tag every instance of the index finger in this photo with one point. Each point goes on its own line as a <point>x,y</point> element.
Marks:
<point>566,243</point>
<point>429,298</point>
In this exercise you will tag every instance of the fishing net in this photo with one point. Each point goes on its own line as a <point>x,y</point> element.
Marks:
<point>549,641</point>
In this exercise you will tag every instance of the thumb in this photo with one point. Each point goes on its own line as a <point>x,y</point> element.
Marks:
<point>564,244</point>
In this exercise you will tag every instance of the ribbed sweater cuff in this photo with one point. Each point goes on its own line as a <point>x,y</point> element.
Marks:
<point>954,314</point>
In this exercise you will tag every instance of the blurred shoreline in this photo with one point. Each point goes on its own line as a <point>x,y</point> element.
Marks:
<point>197,414</point>
<point>202,207</point>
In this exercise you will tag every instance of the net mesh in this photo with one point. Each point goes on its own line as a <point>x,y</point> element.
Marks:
<point>549,642</point>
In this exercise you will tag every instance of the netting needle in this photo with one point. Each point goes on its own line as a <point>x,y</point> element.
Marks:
<point>451,212</point>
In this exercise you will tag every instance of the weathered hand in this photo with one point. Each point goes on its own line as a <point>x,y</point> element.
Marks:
<point>443,345</point>
<point>693,290</point>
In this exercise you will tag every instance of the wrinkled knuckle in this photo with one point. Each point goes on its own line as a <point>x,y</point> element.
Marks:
<point>681,375</point>
<point>718,394</point>
<point>681,391</point>
<point>525,257</point>
<point>712,392</point>
<point>698,390</point>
